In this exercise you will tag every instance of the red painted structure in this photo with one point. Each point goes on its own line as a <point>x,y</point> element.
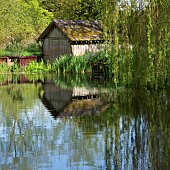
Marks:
<point>3,59</point>
<point>21,60</point>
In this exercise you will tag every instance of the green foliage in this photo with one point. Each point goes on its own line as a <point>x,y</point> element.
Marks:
<point>74,9</point>
<point>138,42</point>
<point>15,67</point>
<point>37,67</point>
<point>79,64</point>
<point>70,64</point>
<point>4,68</point>
<point>22,22</point>
<point>136,34</point>
<point>3,77</point>
<point>32,49</point>
<point>4,53</point>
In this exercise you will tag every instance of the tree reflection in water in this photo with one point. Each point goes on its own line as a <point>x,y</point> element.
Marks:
<point>132,132</point>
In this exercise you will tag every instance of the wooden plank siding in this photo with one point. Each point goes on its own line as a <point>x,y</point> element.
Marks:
<point>80,49</point>
<point>55,45</point>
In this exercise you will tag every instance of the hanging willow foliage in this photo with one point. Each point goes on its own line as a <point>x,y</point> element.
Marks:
<point>125,55</point>
<point>138,37</point>
<point>110,17</point>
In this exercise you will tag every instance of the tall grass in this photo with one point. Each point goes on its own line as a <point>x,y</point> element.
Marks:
<point>70,64</point>
<point>64,64</point>
<point>5,68</point>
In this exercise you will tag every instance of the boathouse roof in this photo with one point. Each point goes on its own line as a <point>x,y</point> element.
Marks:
<point>79,30</point>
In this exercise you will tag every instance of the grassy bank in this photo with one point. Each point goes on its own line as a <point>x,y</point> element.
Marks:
<point>69,64</point>
<point>65,64</point>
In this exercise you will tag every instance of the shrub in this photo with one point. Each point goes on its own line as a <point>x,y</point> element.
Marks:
<point>30,50</point>
<point>4,68</point>
<point>37,67</point>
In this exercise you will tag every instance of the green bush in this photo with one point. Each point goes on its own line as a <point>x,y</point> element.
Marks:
<point>4,53</point>
<point>37,67</point>
<point>33,49</point>
<point>4,68</point>
<point>17,50</point>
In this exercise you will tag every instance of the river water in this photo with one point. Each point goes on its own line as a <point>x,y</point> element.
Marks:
<point>73,122</point>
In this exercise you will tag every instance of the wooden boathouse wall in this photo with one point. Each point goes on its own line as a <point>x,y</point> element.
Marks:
<point>55,45</point>
<point>80,48</point>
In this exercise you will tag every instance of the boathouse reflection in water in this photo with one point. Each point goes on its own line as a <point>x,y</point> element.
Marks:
<point>74,101</point>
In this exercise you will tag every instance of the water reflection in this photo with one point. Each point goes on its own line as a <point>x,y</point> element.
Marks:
<point>55,98</point>
<point>73,101</point>
<point>95,127</point>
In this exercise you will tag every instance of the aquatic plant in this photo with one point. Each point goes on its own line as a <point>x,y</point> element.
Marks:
<point>37,67</point>
<point>79,64</point>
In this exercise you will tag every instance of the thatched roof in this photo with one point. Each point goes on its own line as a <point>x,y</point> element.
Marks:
<point>80,30</point>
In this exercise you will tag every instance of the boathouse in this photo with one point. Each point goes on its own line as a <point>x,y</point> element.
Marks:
<point>71,37</point>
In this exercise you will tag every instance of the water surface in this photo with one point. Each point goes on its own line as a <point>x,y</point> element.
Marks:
<point>81,123</point>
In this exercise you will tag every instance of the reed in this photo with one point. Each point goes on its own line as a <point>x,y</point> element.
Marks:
<point>79,64</point>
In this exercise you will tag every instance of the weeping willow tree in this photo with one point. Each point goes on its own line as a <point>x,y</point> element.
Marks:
<point>110,9</point>
<point>137,34</point>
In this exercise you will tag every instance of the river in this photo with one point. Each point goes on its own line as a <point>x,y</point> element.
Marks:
<point>77,122</point>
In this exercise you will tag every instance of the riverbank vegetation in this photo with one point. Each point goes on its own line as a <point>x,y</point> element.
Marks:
<point>79,64</point>
<point>137,36</point>
<point>65,64</point>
